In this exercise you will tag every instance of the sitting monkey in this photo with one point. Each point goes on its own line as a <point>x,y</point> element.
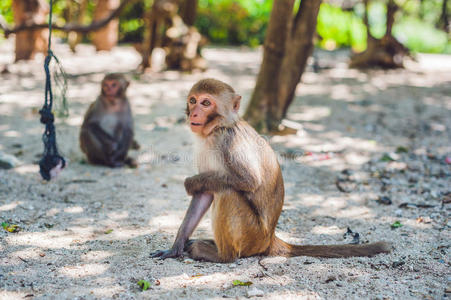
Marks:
<point>240,178</point>
<point>107,131</point>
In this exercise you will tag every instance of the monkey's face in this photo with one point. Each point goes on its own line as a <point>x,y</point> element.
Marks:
<point>201,108</point>
<point>111,88</point>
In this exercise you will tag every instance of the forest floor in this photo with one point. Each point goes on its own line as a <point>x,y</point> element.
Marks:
<point>373,150</point>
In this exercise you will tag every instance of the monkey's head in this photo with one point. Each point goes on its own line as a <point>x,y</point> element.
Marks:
<point>114,86</point>
<point>210,104</point>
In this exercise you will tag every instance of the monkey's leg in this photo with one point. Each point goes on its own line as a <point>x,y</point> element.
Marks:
<point>203,250</point>
<point>196,210</point>
<point>238,229</point>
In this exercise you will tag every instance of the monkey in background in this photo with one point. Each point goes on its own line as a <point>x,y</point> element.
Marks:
<point>107,131</point>
<point>240,178</point>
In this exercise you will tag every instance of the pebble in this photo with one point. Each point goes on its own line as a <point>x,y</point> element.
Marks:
<point>254,292</point>
<point>188,261</point>
<point>231,266</point>
<point>8,161</point>
<point>398,213</point>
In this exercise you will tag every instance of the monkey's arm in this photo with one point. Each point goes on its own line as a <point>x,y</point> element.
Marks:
<point>102,135</point>
<point>124,137</point>
<point>196,210</point>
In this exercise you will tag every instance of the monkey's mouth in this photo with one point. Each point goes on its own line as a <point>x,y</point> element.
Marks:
<point>196,124</point>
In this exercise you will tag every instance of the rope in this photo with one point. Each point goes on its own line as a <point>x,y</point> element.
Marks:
<point>51,159</point>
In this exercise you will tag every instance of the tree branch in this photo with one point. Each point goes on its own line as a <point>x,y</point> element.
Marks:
<point>95,25</point>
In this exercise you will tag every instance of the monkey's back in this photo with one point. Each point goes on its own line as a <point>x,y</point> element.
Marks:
<point>239,213</point>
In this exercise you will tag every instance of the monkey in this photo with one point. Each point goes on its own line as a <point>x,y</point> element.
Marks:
<point>241,180</point>
<point>107,132</point>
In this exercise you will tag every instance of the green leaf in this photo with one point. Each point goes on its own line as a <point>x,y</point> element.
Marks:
<point>397,224</point>
<point>386,157</point>
<point>108,231</point>
<point>10,227</point>
<point>241,283</point>
<point>144,284</point>
<point>402,149</point>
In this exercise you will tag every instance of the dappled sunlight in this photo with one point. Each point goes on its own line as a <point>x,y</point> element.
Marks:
<point>27,169</point>
<point>10,206</point>
<point>83,270</point>
<point>53,239</point>
<point>118,215</point>
<point>96,255</point>
<point>107,291</point>
<point>330,230</point>
<point>12,133</point>
<point>310,114</point>
<point>74,210</point>
<point>27,254</point>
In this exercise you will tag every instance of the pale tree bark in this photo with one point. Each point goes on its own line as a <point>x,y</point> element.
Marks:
<point>288,44</point>
<point>30,42</point>
<point>106,38</point>
<point>164,27</point>
<point>75,12</point>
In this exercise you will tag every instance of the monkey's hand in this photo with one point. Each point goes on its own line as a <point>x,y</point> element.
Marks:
<point>171,253</point>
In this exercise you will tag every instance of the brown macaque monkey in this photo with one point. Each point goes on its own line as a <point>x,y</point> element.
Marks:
<point>240,178</point>
<point>107,130</point>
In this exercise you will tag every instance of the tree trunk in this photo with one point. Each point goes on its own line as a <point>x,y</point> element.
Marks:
<point>30,42</point>
<point>288,44</point>
<point>298,50</point>
<point>76,13</point>
<point>386,52</point>
<point>166,28</point>
<point>444,17</point>
<point>106,38</point>
<point>188,11</point>
<point>266,88</point>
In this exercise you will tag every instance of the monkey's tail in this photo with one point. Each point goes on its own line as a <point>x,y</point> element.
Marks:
<point>281,248</point>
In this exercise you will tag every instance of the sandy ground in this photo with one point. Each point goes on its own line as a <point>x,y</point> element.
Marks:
<point>88,234</point>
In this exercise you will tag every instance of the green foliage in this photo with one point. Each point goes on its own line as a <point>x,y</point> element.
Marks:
<point>339,28</point>
<point>234,22</point>
<point>6,11</point>
<point>395,225</point>
<point>241,283</point>
<point>420,36</point>
<point>144,284</point>
<point>131,23</point>
<point>414,26</point>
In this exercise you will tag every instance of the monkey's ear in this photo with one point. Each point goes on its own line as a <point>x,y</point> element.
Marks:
<point>236,103</point>
<point>127,83</point>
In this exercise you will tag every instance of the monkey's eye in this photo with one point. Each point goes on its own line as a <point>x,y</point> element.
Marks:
<point>192,100</point>
<point>206,102</point>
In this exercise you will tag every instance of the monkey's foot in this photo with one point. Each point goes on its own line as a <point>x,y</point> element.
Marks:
<point>131,162</point>
<point>203,250</point>
<point>163,254</point>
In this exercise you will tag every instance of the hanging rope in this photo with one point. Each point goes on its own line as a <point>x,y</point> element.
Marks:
<point>52,162</point>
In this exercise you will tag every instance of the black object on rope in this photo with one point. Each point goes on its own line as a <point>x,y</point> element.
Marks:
<point>51,159</point>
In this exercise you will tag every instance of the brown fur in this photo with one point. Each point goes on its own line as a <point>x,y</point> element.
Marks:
<point>239,168</point>
<point>109,145</point>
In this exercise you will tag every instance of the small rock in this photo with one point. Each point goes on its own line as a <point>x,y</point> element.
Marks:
<point>231,266</point>
<point>384,200</point>
<point>188,261</point>
<point>97,204</point>
<point>330,279</point>
<point>254,292</point>
<point>8,161</point>
<point>398,213</point>
<point>396,264</point>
